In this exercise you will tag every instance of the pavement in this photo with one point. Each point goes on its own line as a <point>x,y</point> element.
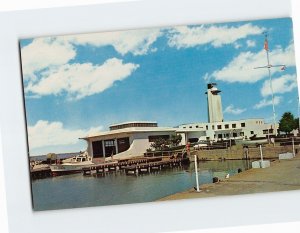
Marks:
<point>282,175</point>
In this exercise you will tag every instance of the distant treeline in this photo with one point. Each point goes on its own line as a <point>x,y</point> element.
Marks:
<point>59,156</point>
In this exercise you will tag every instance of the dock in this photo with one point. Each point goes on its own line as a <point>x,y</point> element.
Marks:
<point>137,166</point>
<point>282,175</point>
<point>39,173</point>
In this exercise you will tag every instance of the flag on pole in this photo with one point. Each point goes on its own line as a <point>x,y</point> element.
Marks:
<point>266,45</point>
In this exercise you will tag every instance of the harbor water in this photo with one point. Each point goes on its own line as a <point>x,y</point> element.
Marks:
<point>73,191</point>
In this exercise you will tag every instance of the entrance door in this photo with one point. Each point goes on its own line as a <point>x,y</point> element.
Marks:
<point>110,148</point>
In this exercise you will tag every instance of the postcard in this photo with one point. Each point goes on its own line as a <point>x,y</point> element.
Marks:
<point>160,114</point>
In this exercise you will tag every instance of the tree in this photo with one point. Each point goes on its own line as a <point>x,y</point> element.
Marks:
<point>175,140</point>
<point>159,144</point>
<point>287,123</point>
<point>164,144</point>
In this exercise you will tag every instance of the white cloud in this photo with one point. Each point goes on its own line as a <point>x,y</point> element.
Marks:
<point>50,52</point>
<point>251,43</point>
<point>264,102</point>
<point>45,133</point>
<point>45,53</point>
<point>137,42</point>
<point>285,83</point>
<point>185,37</point>
<point>232,110</point>
<point>237,45</point>
<point>241,68</point>
<point>80,80</point>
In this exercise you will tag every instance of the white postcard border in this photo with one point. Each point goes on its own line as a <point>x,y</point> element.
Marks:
<point>146,217</point>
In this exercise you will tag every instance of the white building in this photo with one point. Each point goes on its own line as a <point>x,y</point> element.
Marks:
<point>125,140</point>
<point>217,129</point>
<point>240,129</point>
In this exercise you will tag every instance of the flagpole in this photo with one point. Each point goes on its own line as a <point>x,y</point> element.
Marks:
<point>269,67</point>
<point>270,78</point>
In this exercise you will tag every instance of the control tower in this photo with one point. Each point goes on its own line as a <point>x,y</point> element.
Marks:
<point>214,104</point>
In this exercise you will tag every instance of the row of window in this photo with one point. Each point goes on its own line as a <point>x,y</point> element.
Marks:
<point>267,131</point>
<point>129,125</point>
<point>226,135</point>
<point>108,148</point>
<point>226,126</point>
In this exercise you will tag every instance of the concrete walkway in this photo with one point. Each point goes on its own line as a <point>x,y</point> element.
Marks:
<point>283,175</point>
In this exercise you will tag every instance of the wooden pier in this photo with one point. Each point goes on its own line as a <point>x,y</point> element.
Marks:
<point>137,166</point>
<point>40,173</point>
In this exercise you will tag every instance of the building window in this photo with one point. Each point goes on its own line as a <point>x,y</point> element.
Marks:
<point>234,135</point>
<point>220,136</point>
<point>270,130</point>
<point>191,127</point>
<point>243,124</point>
<point>123,144</point>
<point>219,126</point>
<point>184,127</point>
<point>193,140</point>
<point>252,132</point>
<point>109,143</point>
<point>97,149</point>
<point>233,126</point>
<point>207,127</point>
<point>197,126</point>
<point>226,126</point>
<point>155,137</point>
<point>241,134</point>
<point>265,131</point>
<point>213,127</point>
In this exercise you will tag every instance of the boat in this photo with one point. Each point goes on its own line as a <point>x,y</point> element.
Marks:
<point>252,142</point>
<point>72,165</point>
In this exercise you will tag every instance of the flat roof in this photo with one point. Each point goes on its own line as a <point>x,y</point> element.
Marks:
<point>132,130</point>
<point>224,122</point>
<point>134,122</point>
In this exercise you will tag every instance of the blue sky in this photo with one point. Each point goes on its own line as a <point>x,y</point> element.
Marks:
<point>80,84</point>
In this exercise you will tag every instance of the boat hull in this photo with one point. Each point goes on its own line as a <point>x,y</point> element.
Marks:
<point>58,170</point>
<point>251,142</point>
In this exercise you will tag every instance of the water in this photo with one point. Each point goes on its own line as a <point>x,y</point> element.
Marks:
<point>74,191</point>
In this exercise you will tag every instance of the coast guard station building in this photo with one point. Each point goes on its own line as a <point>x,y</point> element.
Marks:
<point>217,129</point>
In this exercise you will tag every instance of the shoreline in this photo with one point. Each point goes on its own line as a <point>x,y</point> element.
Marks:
<point>282,175</point>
